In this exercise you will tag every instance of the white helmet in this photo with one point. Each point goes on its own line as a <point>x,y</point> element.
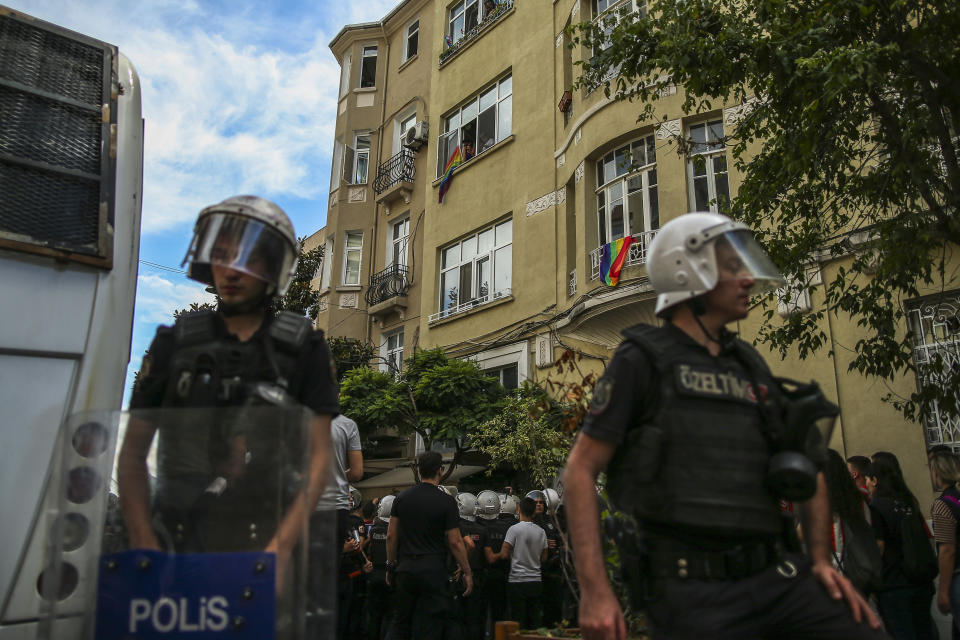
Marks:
<point>553,500</point>
<point>509,505</point>
<point>488,505</point>
<point>467,504</point>
<point>246,233</point>
<point>384,508</point>
<point>355,497</point>
<point>682,262</point>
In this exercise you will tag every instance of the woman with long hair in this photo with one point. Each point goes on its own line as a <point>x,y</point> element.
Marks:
<point>945,473</point>
<point>904,604</point>
<point>851,518</point>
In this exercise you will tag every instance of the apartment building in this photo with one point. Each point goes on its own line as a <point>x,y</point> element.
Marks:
<point>506,270</point>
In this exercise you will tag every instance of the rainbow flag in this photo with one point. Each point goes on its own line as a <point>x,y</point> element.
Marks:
<point>456,159</point>
<point>613,258</point>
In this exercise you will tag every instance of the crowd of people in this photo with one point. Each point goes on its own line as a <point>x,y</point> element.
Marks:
<point>423,588</point>
<point>872,505</point>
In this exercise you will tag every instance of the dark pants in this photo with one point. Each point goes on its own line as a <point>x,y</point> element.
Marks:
<point>526,606</point>
<point>906,612</point>
<point>421,591</point>
<point>379,606</point>
<point>553,588</point>
<point>766,605</point>
<point>495,594</point>
<point>473,610</point>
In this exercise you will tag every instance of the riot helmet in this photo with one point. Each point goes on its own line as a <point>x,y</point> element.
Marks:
<point>540,498</point>
<point>384,508</point>
<point>682,258</point>
<point>467,504</point>
<point>248,234</point>
<point>509,506</point>
<point>488,505</point>
<point>552,500</point>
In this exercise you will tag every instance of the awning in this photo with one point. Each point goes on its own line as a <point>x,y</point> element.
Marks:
<point>402,477</point>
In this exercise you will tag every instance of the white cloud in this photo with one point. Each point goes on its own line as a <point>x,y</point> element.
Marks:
<point>158,297</point>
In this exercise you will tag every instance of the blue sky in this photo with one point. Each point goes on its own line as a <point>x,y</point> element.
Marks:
<point>238,97</point>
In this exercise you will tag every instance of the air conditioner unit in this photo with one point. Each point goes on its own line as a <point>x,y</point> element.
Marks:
<point>416,136</point>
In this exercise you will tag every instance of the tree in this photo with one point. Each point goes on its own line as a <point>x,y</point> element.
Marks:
<point>527,435</point>
<point>847,144</point>
<point>300,297</point>
<point>434,396</point>
<point>350,353</point>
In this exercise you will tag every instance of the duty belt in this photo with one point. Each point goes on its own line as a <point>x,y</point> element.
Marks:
<point>735,563</point>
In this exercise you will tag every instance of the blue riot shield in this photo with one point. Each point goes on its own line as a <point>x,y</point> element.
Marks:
<point>189,523</point>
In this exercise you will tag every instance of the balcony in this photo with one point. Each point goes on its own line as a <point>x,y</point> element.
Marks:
<point>469,305</point>
<point>395,178</point>
<point>636,256</point>
<point>387,292</point>
<point>502,9</point>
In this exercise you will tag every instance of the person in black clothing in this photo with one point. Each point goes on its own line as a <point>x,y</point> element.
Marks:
<point>550,570</point>
<point>682,421</point>
<point>241,355</point>
<point>473,609</point>
<point>423,528</point>
<point>903,604</point>
<point>498,569</point>
<point>379,594</point>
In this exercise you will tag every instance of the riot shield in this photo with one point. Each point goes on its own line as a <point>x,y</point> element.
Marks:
<point>188,523</point>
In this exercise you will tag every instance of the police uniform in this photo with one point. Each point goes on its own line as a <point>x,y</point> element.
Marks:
<point>551,571</point>
<point>692,453</point>
<point>473,609</point>
<point>197,363</point>
<point>379,594</point>
<point>495,589</point>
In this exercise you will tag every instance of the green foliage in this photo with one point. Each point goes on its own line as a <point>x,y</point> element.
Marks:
<point>435,396</point>
<point>847,147</point>
<point>350,353</point>
<point>300,297</point>
<point>528,435</point>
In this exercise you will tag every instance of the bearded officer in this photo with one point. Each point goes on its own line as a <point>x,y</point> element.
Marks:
<point>242,354</point>
<point>676,422</point>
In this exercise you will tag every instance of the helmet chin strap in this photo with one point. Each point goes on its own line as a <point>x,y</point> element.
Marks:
<point>698,308</point>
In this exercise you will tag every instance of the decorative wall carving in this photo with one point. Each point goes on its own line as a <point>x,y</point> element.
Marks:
<point>577,136</point>
<point>365,99</point>
<point>669,129</point>
<point>668,90</point>
<point>559,40</point>
<point>348,301</point>
<point>576,9</point>
<point>545,202</point>
<point>562,160</point>
<point>733,115</point>
<point>358,194</point>
<point>333,199</point>
<point>578,174</point>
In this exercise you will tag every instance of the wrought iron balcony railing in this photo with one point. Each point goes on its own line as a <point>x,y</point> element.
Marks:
<point>389,283</point>
<point>501,9</point>
<point>399,168</point>
<point>637,252</point>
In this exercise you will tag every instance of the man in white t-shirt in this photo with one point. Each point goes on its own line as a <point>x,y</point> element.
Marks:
<point>526,546</point>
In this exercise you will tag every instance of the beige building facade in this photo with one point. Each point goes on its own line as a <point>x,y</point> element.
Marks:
<point>506,270</point>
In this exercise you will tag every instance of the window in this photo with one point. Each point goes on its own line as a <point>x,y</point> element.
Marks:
<point>335,169</point>
<point>368,67</point>
<point>465,16</point>
<point>477,269</point>
<point>413,37</point>
<point>610,13</point>
<point>935,325</point>
<point>352,251</point>
<point>508,376</point>
<point>391,353</point>
<point>345,73</point>
<point>356,159</point>
<point>627,200</point>
<point>479,124</point>
<point>325,265</point>
<point>404,123</point>
<point>399,237</point>
<point>707,166</point>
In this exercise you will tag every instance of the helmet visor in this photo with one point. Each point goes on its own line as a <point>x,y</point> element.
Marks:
<point>243,244</point>
<point>739,257</point>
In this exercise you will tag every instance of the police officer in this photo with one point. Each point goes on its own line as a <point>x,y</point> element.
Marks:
<point>551,572</point>
<point>496,524</point>
<point>378,592</point>
<point>684,421</point>
<point>242,354</point>
<point>473,610</point>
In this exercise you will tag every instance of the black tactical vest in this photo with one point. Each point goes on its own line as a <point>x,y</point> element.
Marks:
<point>699,459</point>
<point>475,555</point>
<point>377,551</point>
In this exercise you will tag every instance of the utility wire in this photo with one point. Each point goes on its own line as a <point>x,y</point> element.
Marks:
<point>161,266</point>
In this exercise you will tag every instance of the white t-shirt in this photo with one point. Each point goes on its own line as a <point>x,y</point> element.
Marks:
<point>345,437</point>
<point>528,541</point>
